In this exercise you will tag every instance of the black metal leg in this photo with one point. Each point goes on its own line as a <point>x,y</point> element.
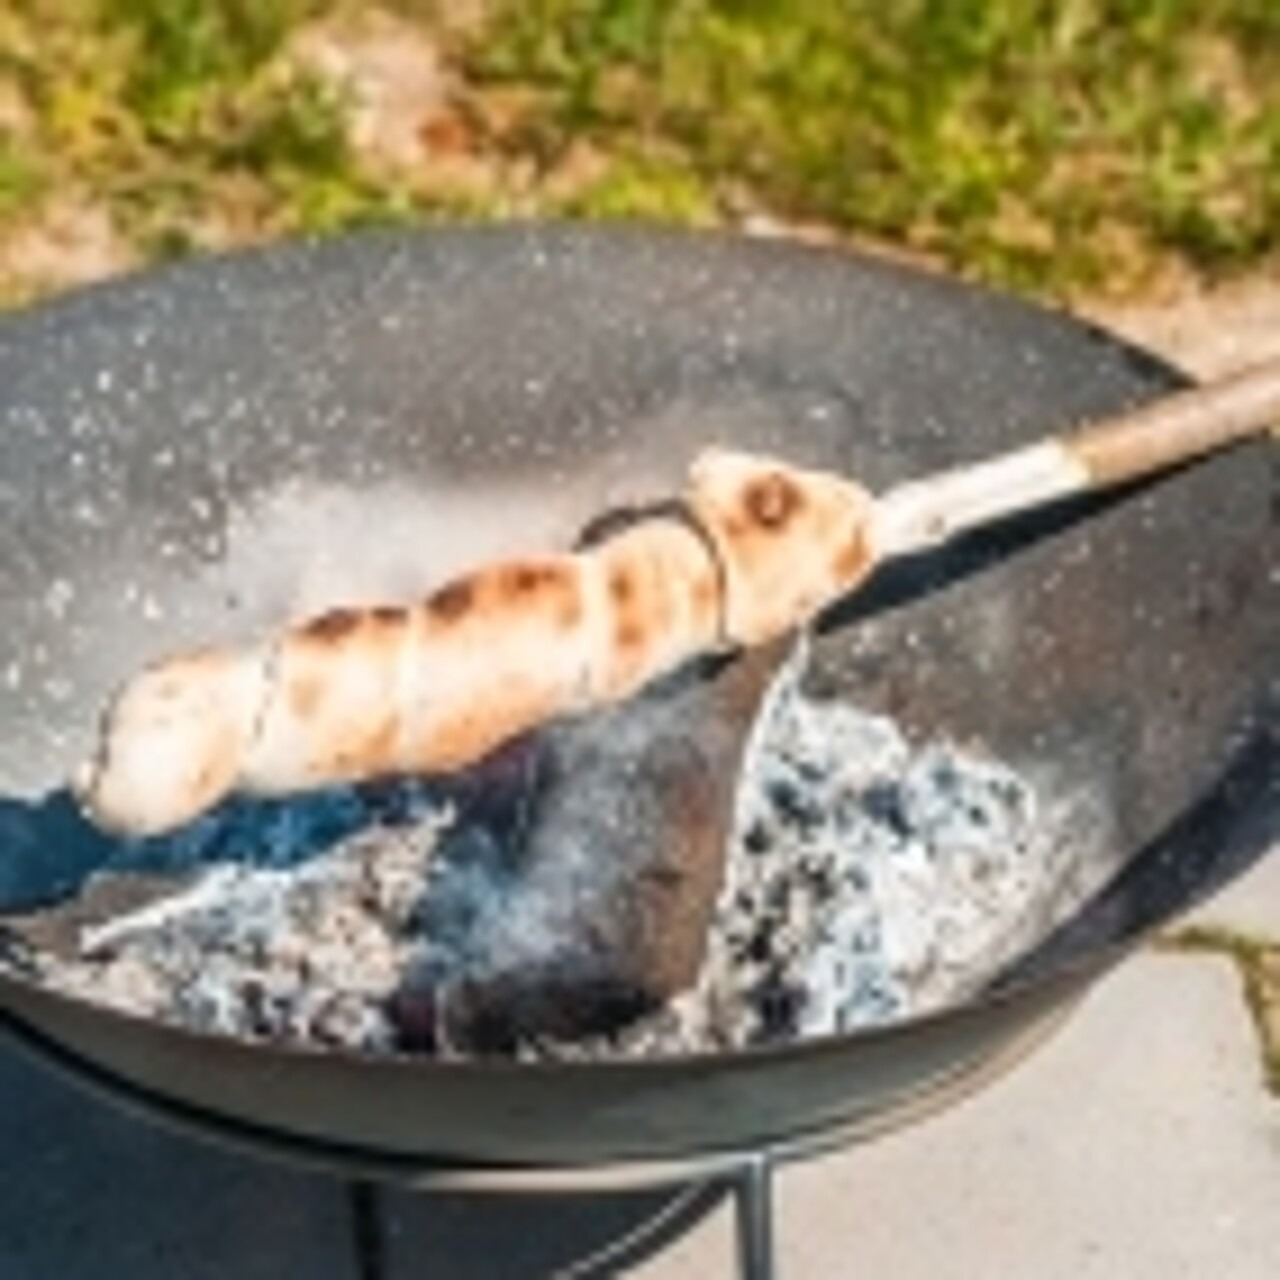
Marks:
<point>366,1230</point>
<point>671,1222</point>
<point>754,1195</point>
<point>680,1208</point>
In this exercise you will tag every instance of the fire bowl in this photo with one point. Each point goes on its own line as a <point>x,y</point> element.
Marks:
<point>185,451</point>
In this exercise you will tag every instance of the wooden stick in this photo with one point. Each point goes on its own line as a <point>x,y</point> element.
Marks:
<point>1160,435</point>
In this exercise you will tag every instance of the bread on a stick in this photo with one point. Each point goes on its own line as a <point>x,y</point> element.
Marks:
<point>754,549</point>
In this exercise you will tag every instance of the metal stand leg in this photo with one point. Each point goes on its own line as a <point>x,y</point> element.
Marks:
<point>366,1229</point>
<point>754,1194</point>
<point>671,1222</point>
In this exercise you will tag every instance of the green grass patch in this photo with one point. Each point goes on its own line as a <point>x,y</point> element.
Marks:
<point>1051,145</point>
<point>1040,144</point>
<point>178,116</point>
<point>22,178</point>
<point>1257,960</point>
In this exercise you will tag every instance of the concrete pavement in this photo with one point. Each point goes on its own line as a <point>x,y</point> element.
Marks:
<point>1249,905</point>
<point>1137,1145</point>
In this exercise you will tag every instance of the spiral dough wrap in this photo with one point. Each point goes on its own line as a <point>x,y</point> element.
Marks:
<point>752,550</point>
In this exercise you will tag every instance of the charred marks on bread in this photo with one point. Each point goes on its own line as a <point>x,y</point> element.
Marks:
<point>453,600</point>
<point>333,675</point>
<point>521,587</point>
<point>629,629</point>
<point>554,583</point>
<point>641,607</point>
<point>630,635</point>
<point>771,502</point>
<point>337,625</point>
<point>306,677</point>
<point>526,579</point>
<point>333,626</point>
<point>622,586</point>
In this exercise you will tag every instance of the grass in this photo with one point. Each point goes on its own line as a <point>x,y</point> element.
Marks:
<point>1257,961</point>
<point>1056,146</point>
<point>175,115</point>
<point>1039,143</point>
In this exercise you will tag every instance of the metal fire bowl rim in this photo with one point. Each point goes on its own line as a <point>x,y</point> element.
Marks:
<point>1078,973</point>
<point>932,1096</point>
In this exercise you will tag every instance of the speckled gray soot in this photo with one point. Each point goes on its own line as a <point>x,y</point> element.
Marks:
<point>193,454</point>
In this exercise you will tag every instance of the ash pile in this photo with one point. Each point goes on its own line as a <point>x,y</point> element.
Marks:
<point>867,879</point>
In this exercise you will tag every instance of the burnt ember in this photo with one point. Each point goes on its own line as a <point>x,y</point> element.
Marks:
<point>867,879</point>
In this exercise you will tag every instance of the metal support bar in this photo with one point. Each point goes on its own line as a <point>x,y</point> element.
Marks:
<point>754,1196</point>
<point>687,1206</point>
<point>367,1241</point>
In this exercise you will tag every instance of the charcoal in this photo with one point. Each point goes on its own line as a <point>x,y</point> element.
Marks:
<point>275,951</point>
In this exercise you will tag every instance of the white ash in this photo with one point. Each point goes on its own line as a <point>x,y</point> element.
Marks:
<point>305,952</point>
<point>867,880</point>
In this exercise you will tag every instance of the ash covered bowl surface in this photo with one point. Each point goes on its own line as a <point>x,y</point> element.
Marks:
<point>210,439</point>
<point>866,880</point>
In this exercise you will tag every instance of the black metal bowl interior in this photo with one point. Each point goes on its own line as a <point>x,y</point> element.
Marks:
<point>183,452</point>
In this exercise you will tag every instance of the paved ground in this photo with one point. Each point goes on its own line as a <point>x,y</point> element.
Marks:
<point>1207,333</point>
<point>1137,1145</point>
<point>1140,1143</point>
